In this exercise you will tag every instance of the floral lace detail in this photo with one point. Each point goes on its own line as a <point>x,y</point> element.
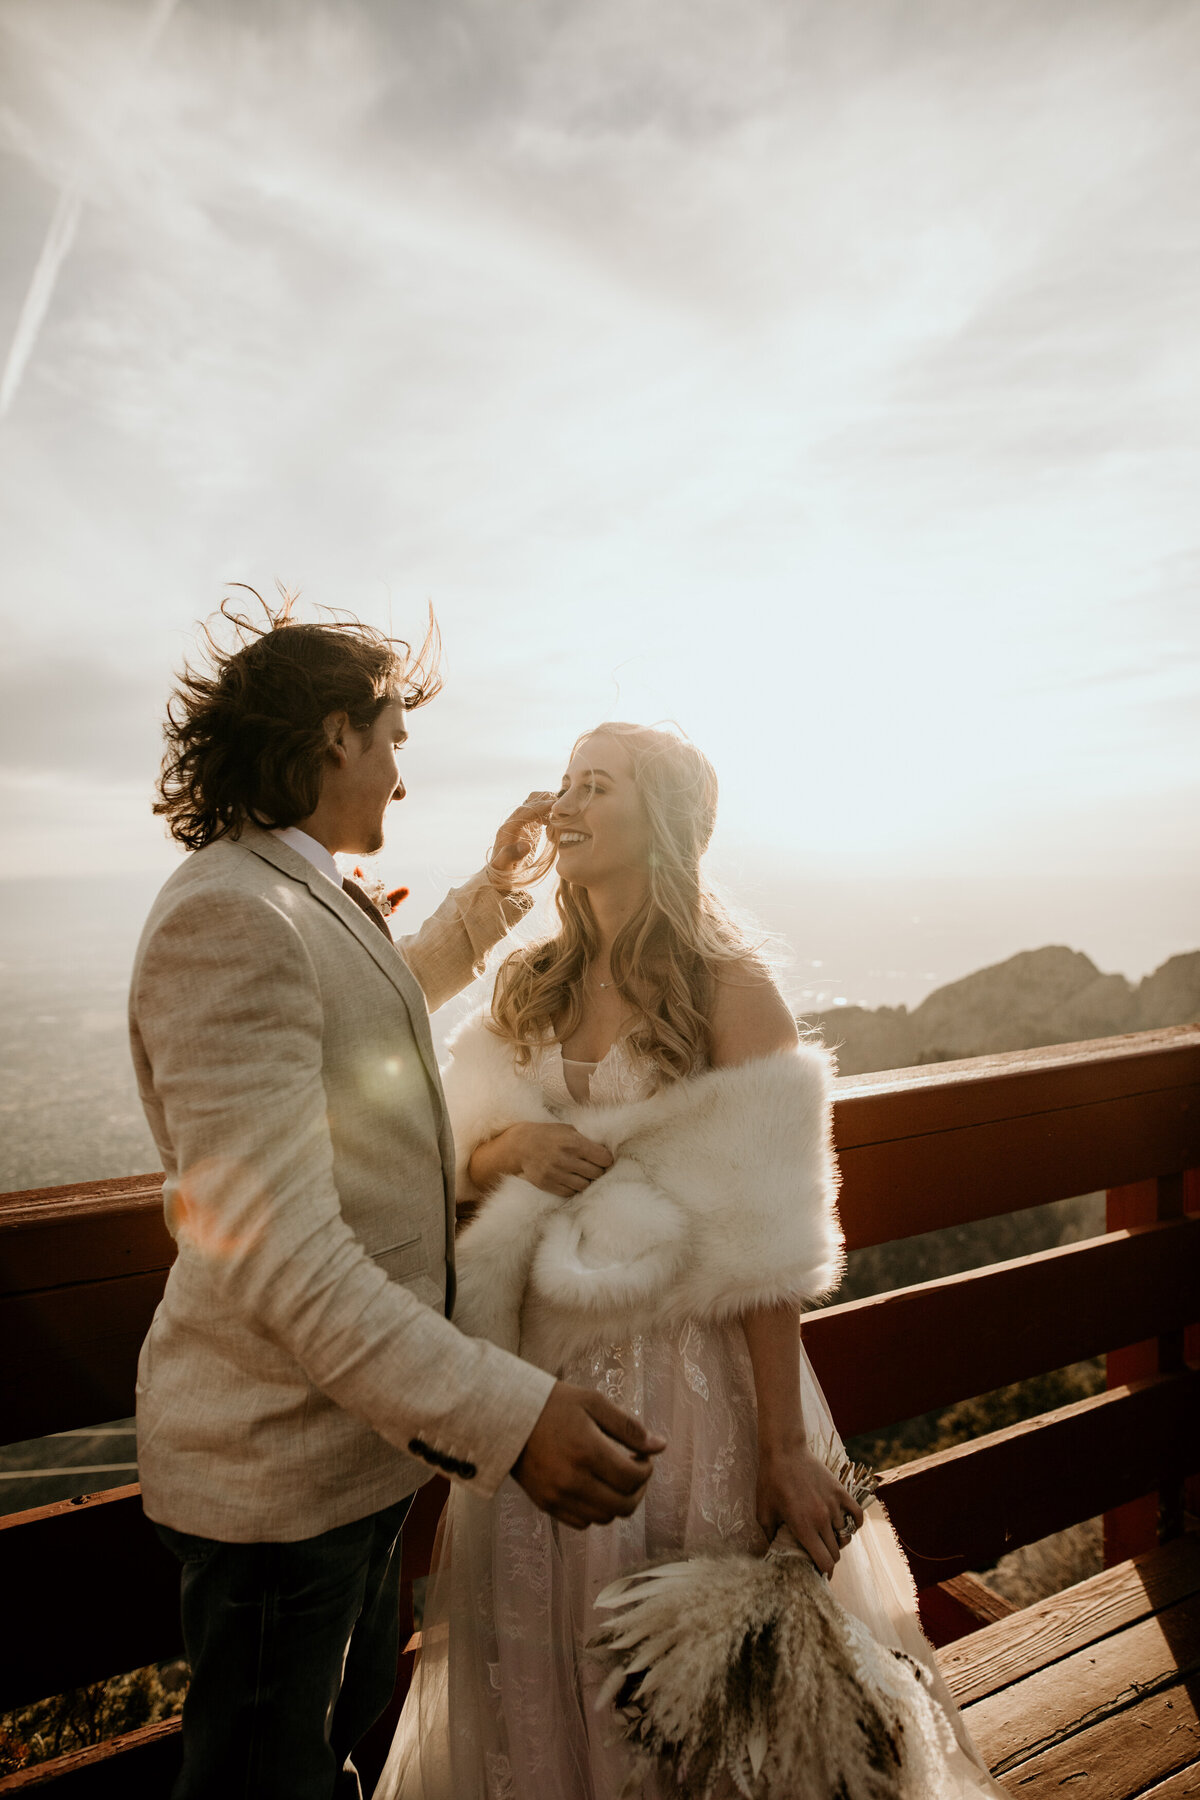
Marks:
<point>524,1536</point>
<point>693,1373</point>
<point>500,1785</point>
<point>618,1077</point>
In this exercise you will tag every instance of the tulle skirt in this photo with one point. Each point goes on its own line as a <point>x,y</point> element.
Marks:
<point>501,1706</point>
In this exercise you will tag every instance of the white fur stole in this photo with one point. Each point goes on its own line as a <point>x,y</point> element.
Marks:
<point>721,1197</point>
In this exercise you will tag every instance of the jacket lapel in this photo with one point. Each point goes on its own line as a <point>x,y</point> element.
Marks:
<point>298,868</point>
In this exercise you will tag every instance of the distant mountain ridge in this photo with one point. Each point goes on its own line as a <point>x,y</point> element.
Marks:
<point>1048,996</point>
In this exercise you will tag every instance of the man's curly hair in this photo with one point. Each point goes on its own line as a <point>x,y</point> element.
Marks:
<point>245,739</point>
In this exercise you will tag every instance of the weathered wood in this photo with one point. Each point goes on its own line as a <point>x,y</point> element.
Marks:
<point>90,1232</point>
<point>884,1358</point>
<point>1039,1636</point>
<point>1119,1755</point>
<point>1006,1082</point>
<point>138,1765</point>
<point>969,1505</point>
<point>77,1193</point>
<point>979,1598</point>
<point>1183,1785</point>
<point>1053,1704</point>
<point>89,1591</point>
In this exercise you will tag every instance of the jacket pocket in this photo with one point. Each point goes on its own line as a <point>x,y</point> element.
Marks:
<point>399,1261</point>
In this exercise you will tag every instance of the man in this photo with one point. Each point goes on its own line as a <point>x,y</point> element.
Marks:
<point>301,1377</point>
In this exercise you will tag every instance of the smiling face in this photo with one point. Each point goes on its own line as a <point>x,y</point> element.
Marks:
<point>598,821</point>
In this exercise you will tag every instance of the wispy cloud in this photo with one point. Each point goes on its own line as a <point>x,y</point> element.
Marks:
<point>63,227</point>
<point>822,377</point>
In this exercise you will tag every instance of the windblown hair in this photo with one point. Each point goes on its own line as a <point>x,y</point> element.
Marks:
<point>245,739</point>
<point>666,959</point>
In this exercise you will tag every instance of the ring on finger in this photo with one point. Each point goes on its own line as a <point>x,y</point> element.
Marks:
<point>847,1530</point>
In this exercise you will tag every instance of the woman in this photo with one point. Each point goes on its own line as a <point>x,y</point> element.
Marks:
<point>643,1010</point>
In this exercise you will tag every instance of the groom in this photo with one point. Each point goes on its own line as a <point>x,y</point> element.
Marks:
<point>301,1377</point>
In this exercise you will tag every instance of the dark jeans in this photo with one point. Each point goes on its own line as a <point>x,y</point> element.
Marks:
<point>293,1652</point>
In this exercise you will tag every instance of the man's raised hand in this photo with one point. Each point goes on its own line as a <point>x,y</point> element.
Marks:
<point>520,834</point>
<point>586,1462</point>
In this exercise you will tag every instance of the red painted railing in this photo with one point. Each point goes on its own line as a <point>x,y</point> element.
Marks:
<point>88,1591</point>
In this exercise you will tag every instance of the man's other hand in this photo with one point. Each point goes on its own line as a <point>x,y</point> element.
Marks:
<point>586,1462</point>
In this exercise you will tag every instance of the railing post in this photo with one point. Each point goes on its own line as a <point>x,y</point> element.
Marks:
<point>1136,1527</point>
<point>1191,1338</point>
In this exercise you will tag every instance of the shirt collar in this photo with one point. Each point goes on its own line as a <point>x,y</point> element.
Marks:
<point>308,847</point>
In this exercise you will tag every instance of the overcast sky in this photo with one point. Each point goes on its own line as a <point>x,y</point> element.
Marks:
<point>825,377</point>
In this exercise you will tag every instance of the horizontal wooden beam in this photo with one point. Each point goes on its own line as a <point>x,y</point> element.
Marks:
<point>69,1357</point>
<point>88,1592</point>
<point>94,1231</point>
<point>921,1149</point>
<point>967,1506</point>
<point>1008,1083</point>
<point>914,1184</point>
<point>885,1358</point>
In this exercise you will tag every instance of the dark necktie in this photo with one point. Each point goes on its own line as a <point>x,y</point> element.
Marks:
<point>365,904</point>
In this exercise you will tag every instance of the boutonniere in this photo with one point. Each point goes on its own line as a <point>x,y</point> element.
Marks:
<point>385,898</point>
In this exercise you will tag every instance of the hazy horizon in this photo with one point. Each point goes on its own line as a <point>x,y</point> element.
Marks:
<point>68,1104</point>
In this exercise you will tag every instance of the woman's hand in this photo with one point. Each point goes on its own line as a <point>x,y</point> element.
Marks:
<point>796,1489</point>
<point>556,1158</point>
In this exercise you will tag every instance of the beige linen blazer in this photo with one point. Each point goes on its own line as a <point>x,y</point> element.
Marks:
<point>300,1370</point>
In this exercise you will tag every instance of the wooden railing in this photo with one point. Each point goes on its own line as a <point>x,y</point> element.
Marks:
<point>87,1591</point>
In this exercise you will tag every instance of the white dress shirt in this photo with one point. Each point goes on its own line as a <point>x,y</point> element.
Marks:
<point>308,847</point>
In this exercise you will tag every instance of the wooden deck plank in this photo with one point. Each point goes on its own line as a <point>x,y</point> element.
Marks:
<point>1077,1693</point>
<point>1120,1756</point>
<point>1043,1634</point>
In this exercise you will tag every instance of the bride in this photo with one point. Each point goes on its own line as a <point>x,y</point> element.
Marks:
<point>687,1316</point>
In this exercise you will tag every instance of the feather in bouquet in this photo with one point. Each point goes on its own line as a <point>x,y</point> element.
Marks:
<point>732,1671</point>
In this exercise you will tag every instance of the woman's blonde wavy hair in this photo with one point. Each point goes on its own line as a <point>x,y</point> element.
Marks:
<point>665,961</point>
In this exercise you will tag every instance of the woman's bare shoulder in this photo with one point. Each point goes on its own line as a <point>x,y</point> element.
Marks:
<point>750,1017</point>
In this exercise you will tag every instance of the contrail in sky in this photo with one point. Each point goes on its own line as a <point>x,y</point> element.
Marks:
<point>63,227</point>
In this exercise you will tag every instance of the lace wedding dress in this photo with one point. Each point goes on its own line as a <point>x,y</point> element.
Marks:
<point>501,1702</point>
